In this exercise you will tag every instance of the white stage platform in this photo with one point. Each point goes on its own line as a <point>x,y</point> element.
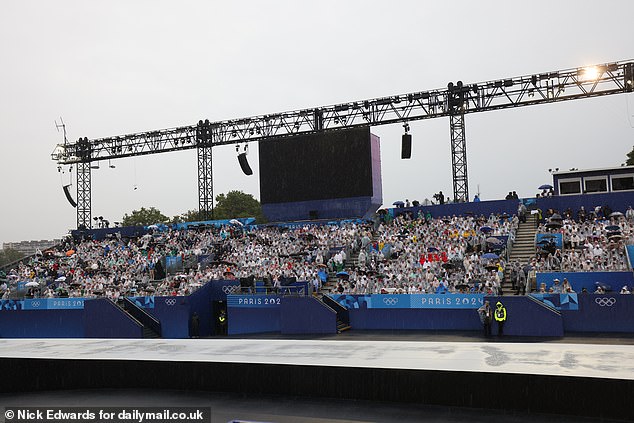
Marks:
<point>550,359</point>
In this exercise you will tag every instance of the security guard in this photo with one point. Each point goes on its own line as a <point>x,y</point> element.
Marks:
<point>500,317</point>
<point>222,320</point>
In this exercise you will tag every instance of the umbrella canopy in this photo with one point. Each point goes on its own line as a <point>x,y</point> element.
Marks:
<point>70,253</point>
<point>545,186</point>
<point>556,216</point>
<point>398,203</point>
<point>616,214</point>
<point>432,250</point>
<point>554,224</point>
<point>60,279</point>
<point>490,256</point>
<point>494,241</point>
<point>486,229</point>
<point>613,228</point>
<point>31,284</point>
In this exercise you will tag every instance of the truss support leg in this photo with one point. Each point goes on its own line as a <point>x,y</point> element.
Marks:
<point>459,158</point>
<point>84,211</point>
<point>205,184</point>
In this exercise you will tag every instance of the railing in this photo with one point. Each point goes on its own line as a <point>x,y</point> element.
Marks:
<point>342,313</point>
<point>142,316</point>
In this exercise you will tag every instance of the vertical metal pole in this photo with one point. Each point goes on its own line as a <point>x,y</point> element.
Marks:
<point>205,174</point>
<point>205,183</point>
<point>459,157</point>
<point>84,211</point>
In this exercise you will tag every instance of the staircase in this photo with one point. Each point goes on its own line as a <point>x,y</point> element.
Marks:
<point>523,249</point>
<point>151,325</point>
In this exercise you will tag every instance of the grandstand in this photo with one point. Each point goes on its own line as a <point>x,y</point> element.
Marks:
<point>418,268</point>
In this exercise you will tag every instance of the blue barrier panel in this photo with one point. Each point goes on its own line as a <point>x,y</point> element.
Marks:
<point>54,304</point>
<point>601,313</point>
<point>104,319</point>
<point>143,302</point>
<point>407,301</point>
<point>580,280</point>
<point>174,314</point>
<point>9,305</point>
<point>306,315</point>
<point>254,301</point>
<point>253,314</point>
<point>526,317</point>
<point>414,319</point>
<point>41,323</point>
<point>559,301</point>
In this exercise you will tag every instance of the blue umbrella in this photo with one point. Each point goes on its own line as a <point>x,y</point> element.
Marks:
<point>545,186</point>
<point>432,250</point>
<point>490,256</point>
<point>486,229</point>
<point>343,275</point>
<point>398,203</point>
<point>613,228</point>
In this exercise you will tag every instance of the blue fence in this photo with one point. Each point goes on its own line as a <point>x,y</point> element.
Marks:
<point>409,301</point>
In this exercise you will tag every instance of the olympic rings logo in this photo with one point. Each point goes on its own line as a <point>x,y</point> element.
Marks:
<point>170,301</point>
<point>390,301</point>
<point>35,304</point>
<point>605,302</point>
<point>228,289</point>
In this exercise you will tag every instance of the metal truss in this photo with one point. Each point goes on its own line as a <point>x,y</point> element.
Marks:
<point>458,99</point>
<point>205,174</point>
<point>459,158</point>
<point>84,209</point>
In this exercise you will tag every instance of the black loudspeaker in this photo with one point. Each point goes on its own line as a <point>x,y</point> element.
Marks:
<point>68,196</point>
<point>244,164</point>
<point>406,147</point>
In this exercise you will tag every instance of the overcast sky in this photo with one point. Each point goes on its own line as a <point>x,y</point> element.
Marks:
<point>116,67</point>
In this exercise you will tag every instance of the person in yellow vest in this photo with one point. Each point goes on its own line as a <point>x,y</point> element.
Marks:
<point>500,317</point>
<point>222,321</point>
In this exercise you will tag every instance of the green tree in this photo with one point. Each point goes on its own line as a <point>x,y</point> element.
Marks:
<point>144,217</point>
<point>630,158</point>
<point>188,216</point>
<point>238,204</point>
<point>9,255</point>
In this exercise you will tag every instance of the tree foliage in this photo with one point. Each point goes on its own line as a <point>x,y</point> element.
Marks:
<point>9,255</point>
<point>238,204</point>
<point>188,216</point>
<point>144,217</point>
<point>630,158</point>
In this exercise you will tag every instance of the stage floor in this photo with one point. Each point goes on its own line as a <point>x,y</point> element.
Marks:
<point>606,361</point>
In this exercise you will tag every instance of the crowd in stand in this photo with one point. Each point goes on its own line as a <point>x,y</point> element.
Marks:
<point>408,254</point>
<point>426,255</point>
<point>595,243</point>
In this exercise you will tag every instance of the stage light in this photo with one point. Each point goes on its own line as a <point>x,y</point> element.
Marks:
<point>590,73</point>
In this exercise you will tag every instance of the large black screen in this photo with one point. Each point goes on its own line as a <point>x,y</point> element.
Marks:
<point>316,167</point>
